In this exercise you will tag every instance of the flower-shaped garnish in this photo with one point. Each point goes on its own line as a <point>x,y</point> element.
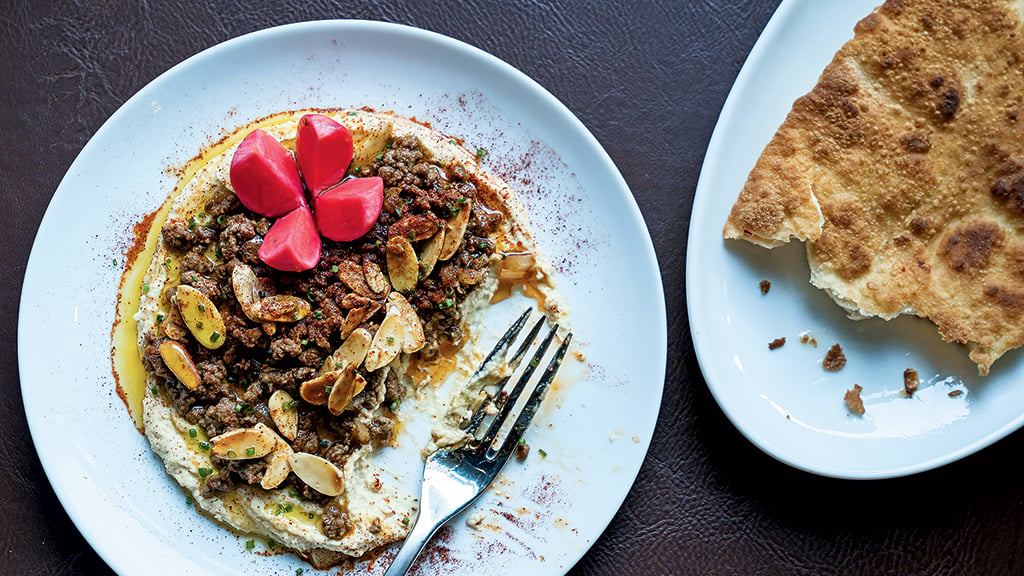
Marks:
<point>267,180</point>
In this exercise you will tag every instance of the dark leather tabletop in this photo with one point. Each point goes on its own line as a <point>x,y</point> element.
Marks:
<point>649,80</point>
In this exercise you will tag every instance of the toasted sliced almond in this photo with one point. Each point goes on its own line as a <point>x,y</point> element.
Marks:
<point>357,316</point>
<point>351,273</point>
<point>416,227</point>
<point>284,413</point>
<point>243,282</point>
<point>403,267</point>
<point>454,230</point>
<point>375,279</point>
<point>200,316</point>
<point>343,389</point>
<point>245,285</point>
<point>245,443</point>
<point>412,329</point>
<point>367,147</point>
<point>180,364</point>
<point>352,351</point>
<point>314,390</point>
<point>387,342</point>
<point>320,474</point>
<point>277,466</point>
<point>431,250</point>
<point>282,308</point>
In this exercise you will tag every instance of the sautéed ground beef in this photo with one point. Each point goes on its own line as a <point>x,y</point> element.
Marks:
<point>238,378</point>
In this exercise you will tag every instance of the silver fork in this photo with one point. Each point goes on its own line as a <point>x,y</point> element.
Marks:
<point>454,477</point>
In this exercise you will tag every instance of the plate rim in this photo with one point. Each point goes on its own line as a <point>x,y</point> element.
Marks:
<point>108,551</point>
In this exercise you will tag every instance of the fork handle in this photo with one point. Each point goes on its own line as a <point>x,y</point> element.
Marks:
<point>414,543</point>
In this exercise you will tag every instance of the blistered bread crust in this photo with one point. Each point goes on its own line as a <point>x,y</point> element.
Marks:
<point>903,169</point>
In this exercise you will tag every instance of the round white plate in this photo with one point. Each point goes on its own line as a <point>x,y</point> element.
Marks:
<point>783,400</point>
<point>595,428</point>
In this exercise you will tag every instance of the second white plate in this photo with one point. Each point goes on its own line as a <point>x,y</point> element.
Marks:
<point>783,400</point>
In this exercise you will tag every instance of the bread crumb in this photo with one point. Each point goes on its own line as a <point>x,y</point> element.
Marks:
<point>777,343</point>
<point>765,286</point>
<point>910,382</point>
<point>955,393</point>
<point>806,338</point>
<point>834,359</point>
<point>475,520</point>
<point>854,401</point>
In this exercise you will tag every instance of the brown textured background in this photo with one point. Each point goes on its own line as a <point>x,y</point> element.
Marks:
<point>648,79</point>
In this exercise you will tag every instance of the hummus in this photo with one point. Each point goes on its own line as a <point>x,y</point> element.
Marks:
<point>304,476</point>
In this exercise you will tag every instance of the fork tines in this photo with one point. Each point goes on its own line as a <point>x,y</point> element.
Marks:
<point>508,401</point>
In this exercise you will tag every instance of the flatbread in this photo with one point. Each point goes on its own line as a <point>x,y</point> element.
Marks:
<point>903,170</point>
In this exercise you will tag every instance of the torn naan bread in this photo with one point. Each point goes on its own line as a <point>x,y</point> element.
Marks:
<point>903,170</point>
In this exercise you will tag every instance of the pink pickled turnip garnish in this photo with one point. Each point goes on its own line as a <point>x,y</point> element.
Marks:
<point>264,176</point>
<point>292,244</point>
<point>350,209</point>
<point>323,150</point>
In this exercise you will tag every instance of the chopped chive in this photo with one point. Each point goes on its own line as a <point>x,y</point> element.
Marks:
<point>215,336</point>
<point>249,544</point>
<point>334,269</point>
<point>358,170</point>
<point>159,317</point>
<point>231,454</point>
<point>324,443</point>
<point>199,324</point>
<point>250,451</point>
<point>351,113</point>
<point>287,507</point>
<point>221,219</point>
<point>299,571</point>
<point>534,362</point>
<point>542,452</point>
<point>394,405</point>
<point>304,341</point>
<point>238,407</point>
<point>391,339</point>
<point>202,308</point>
<point>145,288</point>
<point>379,156</point>
<point>192,433</point>
<point>405,520</point>
<point>204,445</point>
<point>188,500</point>
<point>481,153</point>
<point>449,290</point>
<point>522,441</point>
<point>311,515</point>
<point>204,472</point>
<point>328,388</point>
<point>318,314</point>
<point>154,390</point>
<point>271,544</point>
